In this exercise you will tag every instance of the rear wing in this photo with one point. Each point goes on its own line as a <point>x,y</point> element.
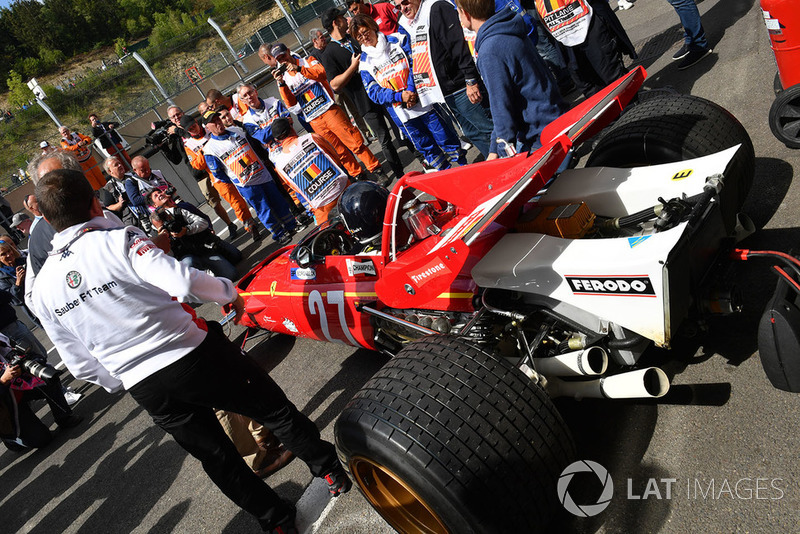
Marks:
<point>592,115</point>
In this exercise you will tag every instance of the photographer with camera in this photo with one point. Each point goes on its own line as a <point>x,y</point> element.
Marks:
<point>113,195</point>
<point>139,183</point>
<point>110,140</point>
<point>25,376</point>
<point>191,240</point>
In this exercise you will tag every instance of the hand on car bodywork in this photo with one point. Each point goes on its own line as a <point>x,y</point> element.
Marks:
<point>238,308</point>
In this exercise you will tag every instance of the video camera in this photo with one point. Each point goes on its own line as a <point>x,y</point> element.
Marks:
<point>22,356</point>
<point>158,135</point>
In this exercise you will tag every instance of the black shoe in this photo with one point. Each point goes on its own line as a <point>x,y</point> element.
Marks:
<point>70,421</point>
<point>233,230</point>
<point>287,526</point>
<point>381,178</point>
<point>693,57</point>
<point>398,171</point>
<point>681,53</point>
<point>338,482</point>
<point>306,220</point>
<point>284,239</point>
<point>252,229</point>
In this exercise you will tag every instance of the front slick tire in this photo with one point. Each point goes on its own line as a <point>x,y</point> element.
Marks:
<point>446,438</point>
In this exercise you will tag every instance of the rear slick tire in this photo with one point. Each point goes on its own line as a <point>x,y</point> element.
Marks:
<point>446,438</point>
<point>673,127</point>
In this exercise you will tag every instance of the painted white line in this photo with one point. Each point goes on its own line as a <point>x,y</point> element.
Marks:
<point>313,507</point>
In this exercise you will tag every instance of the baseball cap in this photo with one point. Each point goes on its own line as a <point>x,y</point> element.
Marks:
<point>187,121</point>
<point>209,116</point>
<point>280,128</point>
<point>17,219</point>
<point>44,144</point>
<point>329,16</point>
<point>278,49</point>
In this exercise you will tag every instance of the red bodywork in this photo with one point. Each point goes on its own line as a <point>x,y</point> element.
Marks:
<point>782,18</point>
<point>322,301</point>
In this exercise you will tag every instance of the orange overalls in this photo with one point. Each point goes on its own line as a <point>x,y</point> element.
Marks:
<point>83,153</point>
<point>333,124</point>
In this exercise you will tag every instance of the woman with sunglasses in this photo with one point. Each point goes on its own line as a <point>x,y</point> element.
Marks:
<point>386,71</point>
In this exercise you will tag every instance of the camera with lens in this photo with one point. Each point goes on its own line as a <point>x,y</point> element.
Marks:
<point>280,69</point>
<point>171,224</point>
<point>25,359</point>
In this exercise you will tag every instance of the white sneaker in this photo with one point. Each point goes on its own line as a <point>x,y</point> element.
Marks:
<point>72,397</point>
<point>624,4</point>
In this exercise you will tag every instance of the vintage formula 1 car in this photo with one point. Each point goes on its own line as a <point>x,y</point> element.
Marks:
<point>499,285</point>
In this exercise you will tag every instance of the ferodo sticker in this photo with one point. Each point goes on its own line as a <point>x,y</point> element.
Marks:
<point>629,286</point>
<point>360,267</point>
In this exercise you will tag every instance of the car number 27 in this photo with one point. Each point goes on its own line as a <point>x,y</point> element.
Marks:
<point>317,307</point>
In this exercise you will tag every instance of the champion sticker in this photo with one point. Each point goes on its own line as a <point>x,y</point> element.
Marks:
<point>290,326</point>
<point>633,286</point>
<point>361,267</point>
<point>307,273</point>
<point>74,279</point>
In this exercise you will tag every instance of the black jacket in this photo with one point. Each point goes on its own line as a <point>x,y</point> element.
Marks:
<point>449,51</point>
<point>108,137</point>
<point>336,59</point>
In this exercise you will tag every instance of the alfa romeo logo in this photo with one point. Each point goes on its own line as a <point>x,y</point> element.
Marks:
<point>585,466</point>
<point>74,279</point>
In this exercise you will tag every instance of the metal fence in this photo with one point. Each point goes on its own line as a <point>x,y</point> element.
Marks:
<point>120,91</point>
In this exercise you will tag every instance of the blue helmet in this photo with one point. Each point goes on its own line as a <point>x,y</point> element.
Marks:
<point>362,207</point>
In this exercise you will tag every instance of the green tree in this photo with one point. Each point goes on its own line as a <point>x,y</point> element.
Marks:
<point>18,92</point>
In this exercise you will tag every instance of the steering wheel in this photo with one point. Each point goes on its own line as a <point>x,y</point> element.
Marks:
<point>331,241</point>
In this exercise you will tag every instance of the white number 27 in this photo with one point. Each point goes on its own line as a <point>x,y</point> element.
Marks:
<point>336,298</point>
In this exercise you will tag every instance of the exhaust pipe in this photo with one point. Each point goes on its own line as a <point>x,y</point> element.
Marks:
<point>587,362</point>
<point>744,227</point>
<point>650,383</point>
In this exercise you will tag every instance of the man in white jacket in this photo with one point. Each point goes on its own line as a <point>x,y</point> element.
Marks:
<point>173,367</point>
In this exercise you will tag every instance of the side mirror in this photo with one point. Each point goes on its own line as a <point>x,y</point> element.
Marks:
<point>303,255</point>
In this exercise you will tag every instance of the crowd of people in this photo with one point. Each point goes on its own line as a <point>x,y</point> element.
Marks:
<point>412,74</point>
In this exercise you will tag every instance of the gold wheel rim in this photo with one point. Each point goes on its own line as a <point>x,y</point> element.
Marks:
<point>400,506</point>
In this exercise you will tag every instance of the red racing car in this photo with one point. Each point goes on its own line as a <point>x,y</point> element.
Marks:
<point>501,284</point>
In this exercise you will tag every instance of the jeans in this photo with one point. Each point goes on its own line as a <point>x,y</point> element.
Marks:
<point>220,263</point>
<point>181,399</point>
<point>473,119</point>
<point>19,333</point>
<point>376,118</point>
<point>694,34</point>
<point>271,208</point>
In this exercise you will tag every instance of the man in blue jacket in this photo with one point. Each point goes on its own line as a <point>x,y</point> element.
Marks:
<point>523,96</point>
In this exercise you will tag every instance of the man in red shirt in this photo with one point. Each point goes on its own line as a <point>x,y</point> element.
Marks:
<point>384,13</point>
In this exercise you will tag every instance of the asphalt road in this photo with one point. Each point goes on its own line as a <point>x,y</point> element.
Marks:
<point>724,443</point>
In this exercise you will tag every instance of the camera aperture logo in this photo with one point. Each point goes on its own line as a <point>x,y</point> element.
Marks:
<point>697,488</point>
<point>585,466</point>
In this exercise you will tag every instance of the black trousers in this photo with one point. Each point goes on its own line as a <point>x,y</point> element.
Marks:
<point>379,122</point>
<point>181,399</point>
<point>32,431</point>
<point>598,60</point>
